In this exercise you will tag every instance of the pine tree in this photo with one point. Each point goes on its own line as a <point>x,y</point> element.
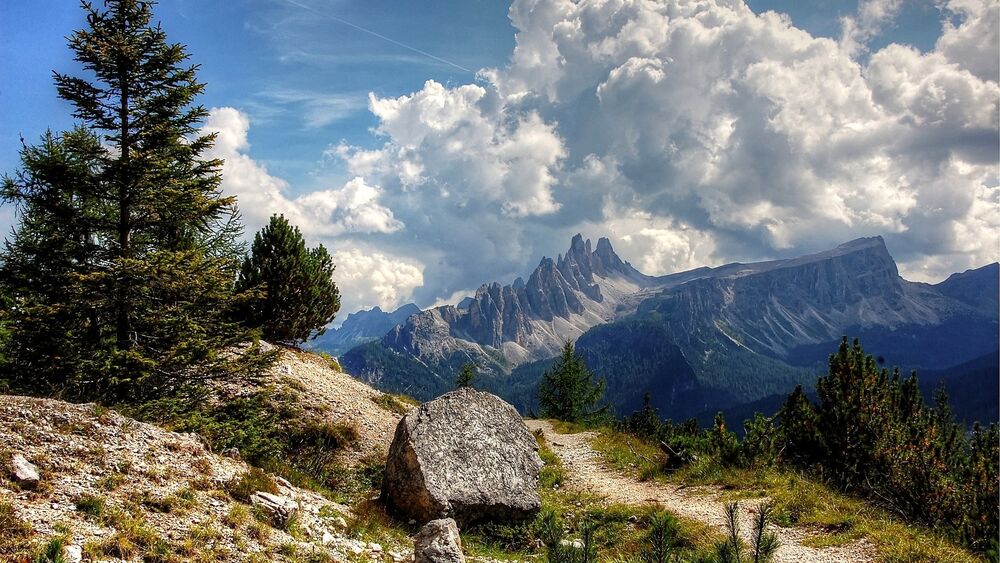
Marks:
<point>138,293</point>
<point>296,293</point>
<point>568,391</point>
<point>466,376</point>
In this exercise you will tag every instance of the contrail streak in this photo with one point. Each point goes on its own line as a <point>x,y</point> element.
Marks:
<point>379,35</point>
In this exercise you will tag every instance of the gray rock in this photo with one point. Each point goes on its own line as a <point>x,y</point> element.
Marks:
<point>280,509</point>
<point>465,455</point>
<point>438,542</point>
<point>25,472</point>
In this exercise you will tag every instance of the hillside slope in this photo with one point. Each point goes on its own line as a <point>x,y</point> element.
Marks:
<point>122,489</point>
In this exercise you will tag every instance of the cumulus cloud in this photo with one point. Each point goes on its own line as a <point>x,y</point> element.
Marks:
<point>351,208</point>
<point>872,17</point>
<point>367,278</point>
<point>692,133</point>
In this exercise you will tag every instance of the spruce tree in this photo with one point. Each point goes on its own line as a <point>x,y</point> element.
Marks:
<point>466,376</point>
<point>568,390</point>
<point>296,295</point>
<point>136,297</point>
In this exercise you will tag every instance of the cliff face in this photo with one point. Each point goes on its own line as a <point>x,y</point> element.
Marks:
<point>701,339</point>
<point>774,307</point>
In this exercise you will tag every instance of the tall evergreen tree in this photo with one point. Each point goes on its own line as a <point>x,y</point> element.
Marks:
<point>568,390</point>
<point>136,295</point>
<point>296,295</point>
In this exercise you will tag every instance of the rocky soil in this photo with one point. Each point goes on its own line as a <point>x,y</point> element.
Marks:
<point>588,472</point>
<point>326,394</point>
<point>118,489</point>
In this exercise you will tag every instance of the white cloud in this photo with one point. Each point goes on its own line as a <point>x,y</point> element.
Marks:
<point>366,278</point>
<point>690,132</point>
<point>458,143</point>
<point>872,17</point>
<point>351,208</point>
<point>973,43</point>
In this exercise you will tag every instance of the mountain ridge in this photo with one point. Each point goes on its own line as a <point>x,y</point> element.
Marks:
<point>713,336</point>
<point>360,327</point>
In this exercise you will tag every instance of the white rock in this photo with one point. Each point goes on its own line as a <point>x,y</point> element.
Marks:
<point>24,471</point>
<point>280,509</point>
<point>327,537</point>
<point>73,554</point>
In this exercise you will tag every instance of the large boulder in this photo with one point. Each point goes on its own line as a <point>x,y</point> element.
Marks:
<point>466,455</point>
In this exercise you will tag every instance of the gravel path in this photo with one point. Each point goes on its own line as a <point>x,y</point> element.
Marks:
<point>589,473</point>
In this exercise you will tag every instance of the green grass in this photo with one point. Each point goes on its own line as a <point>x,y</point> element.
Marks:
<point>91,505</point>
<point>398,404</point>
<point>621,529</point>
<point>16,533</point>
<point>799,501</point>
<point>243,486</point>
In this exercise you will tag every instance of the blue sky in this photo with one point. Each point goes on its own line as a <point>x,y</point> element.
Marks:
<point>271,58</point>
<point>752,144</point>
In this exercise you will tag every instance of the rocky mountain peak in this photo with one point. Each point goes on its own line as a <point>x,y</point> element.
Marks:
<point>582,261</point>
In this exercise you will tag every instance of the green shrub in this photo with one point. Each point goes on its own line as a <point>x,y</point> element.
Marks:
<point>870,431</point>
<point>242,487</point>
<point>660,539</point>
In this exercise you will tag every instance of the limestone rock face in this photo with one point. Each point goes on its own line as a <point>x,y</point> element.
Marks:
<point>465,455</point>
<point>438,542</point>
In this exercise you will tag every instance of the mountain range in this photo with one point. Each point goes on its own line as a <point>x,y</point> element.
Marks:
<point>703,339</point>
<point>361,327</point>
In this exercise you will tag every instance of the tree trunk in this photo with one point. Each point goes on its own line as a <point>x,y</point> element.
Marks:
<point>124,321</point>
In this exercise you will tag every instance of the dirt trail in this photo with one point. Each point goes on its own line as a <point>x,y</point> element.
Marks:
<point>588,472</point>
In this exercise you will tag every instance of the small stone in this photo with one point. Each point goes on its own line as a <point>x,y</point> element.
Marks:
<point>438,542</point>
<point>280,509</point>
<point>374,548</point>
<point>25,472</point>
<point>357,549</point>
<point>327,537</point>
<point>73,554</point>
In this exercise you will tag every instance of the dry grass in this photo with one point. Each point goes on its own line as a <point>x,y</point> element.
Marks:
<point>799,501</point>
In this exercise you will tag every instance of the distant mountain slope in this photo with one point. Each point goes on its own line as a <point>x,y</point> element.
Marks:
<point>699,340</point>
<point>979,288</point>
<point>743,329</point>
<point>361,327</point>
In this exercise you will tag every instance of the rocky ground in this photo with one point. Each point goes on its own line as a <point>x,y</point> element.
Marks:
<point>327,394</point>
<point>588,472</point>
<point>116,489</point>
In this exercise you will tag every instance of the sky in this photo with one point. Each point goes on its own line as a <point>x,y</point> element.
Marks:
<point>435,146</point>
